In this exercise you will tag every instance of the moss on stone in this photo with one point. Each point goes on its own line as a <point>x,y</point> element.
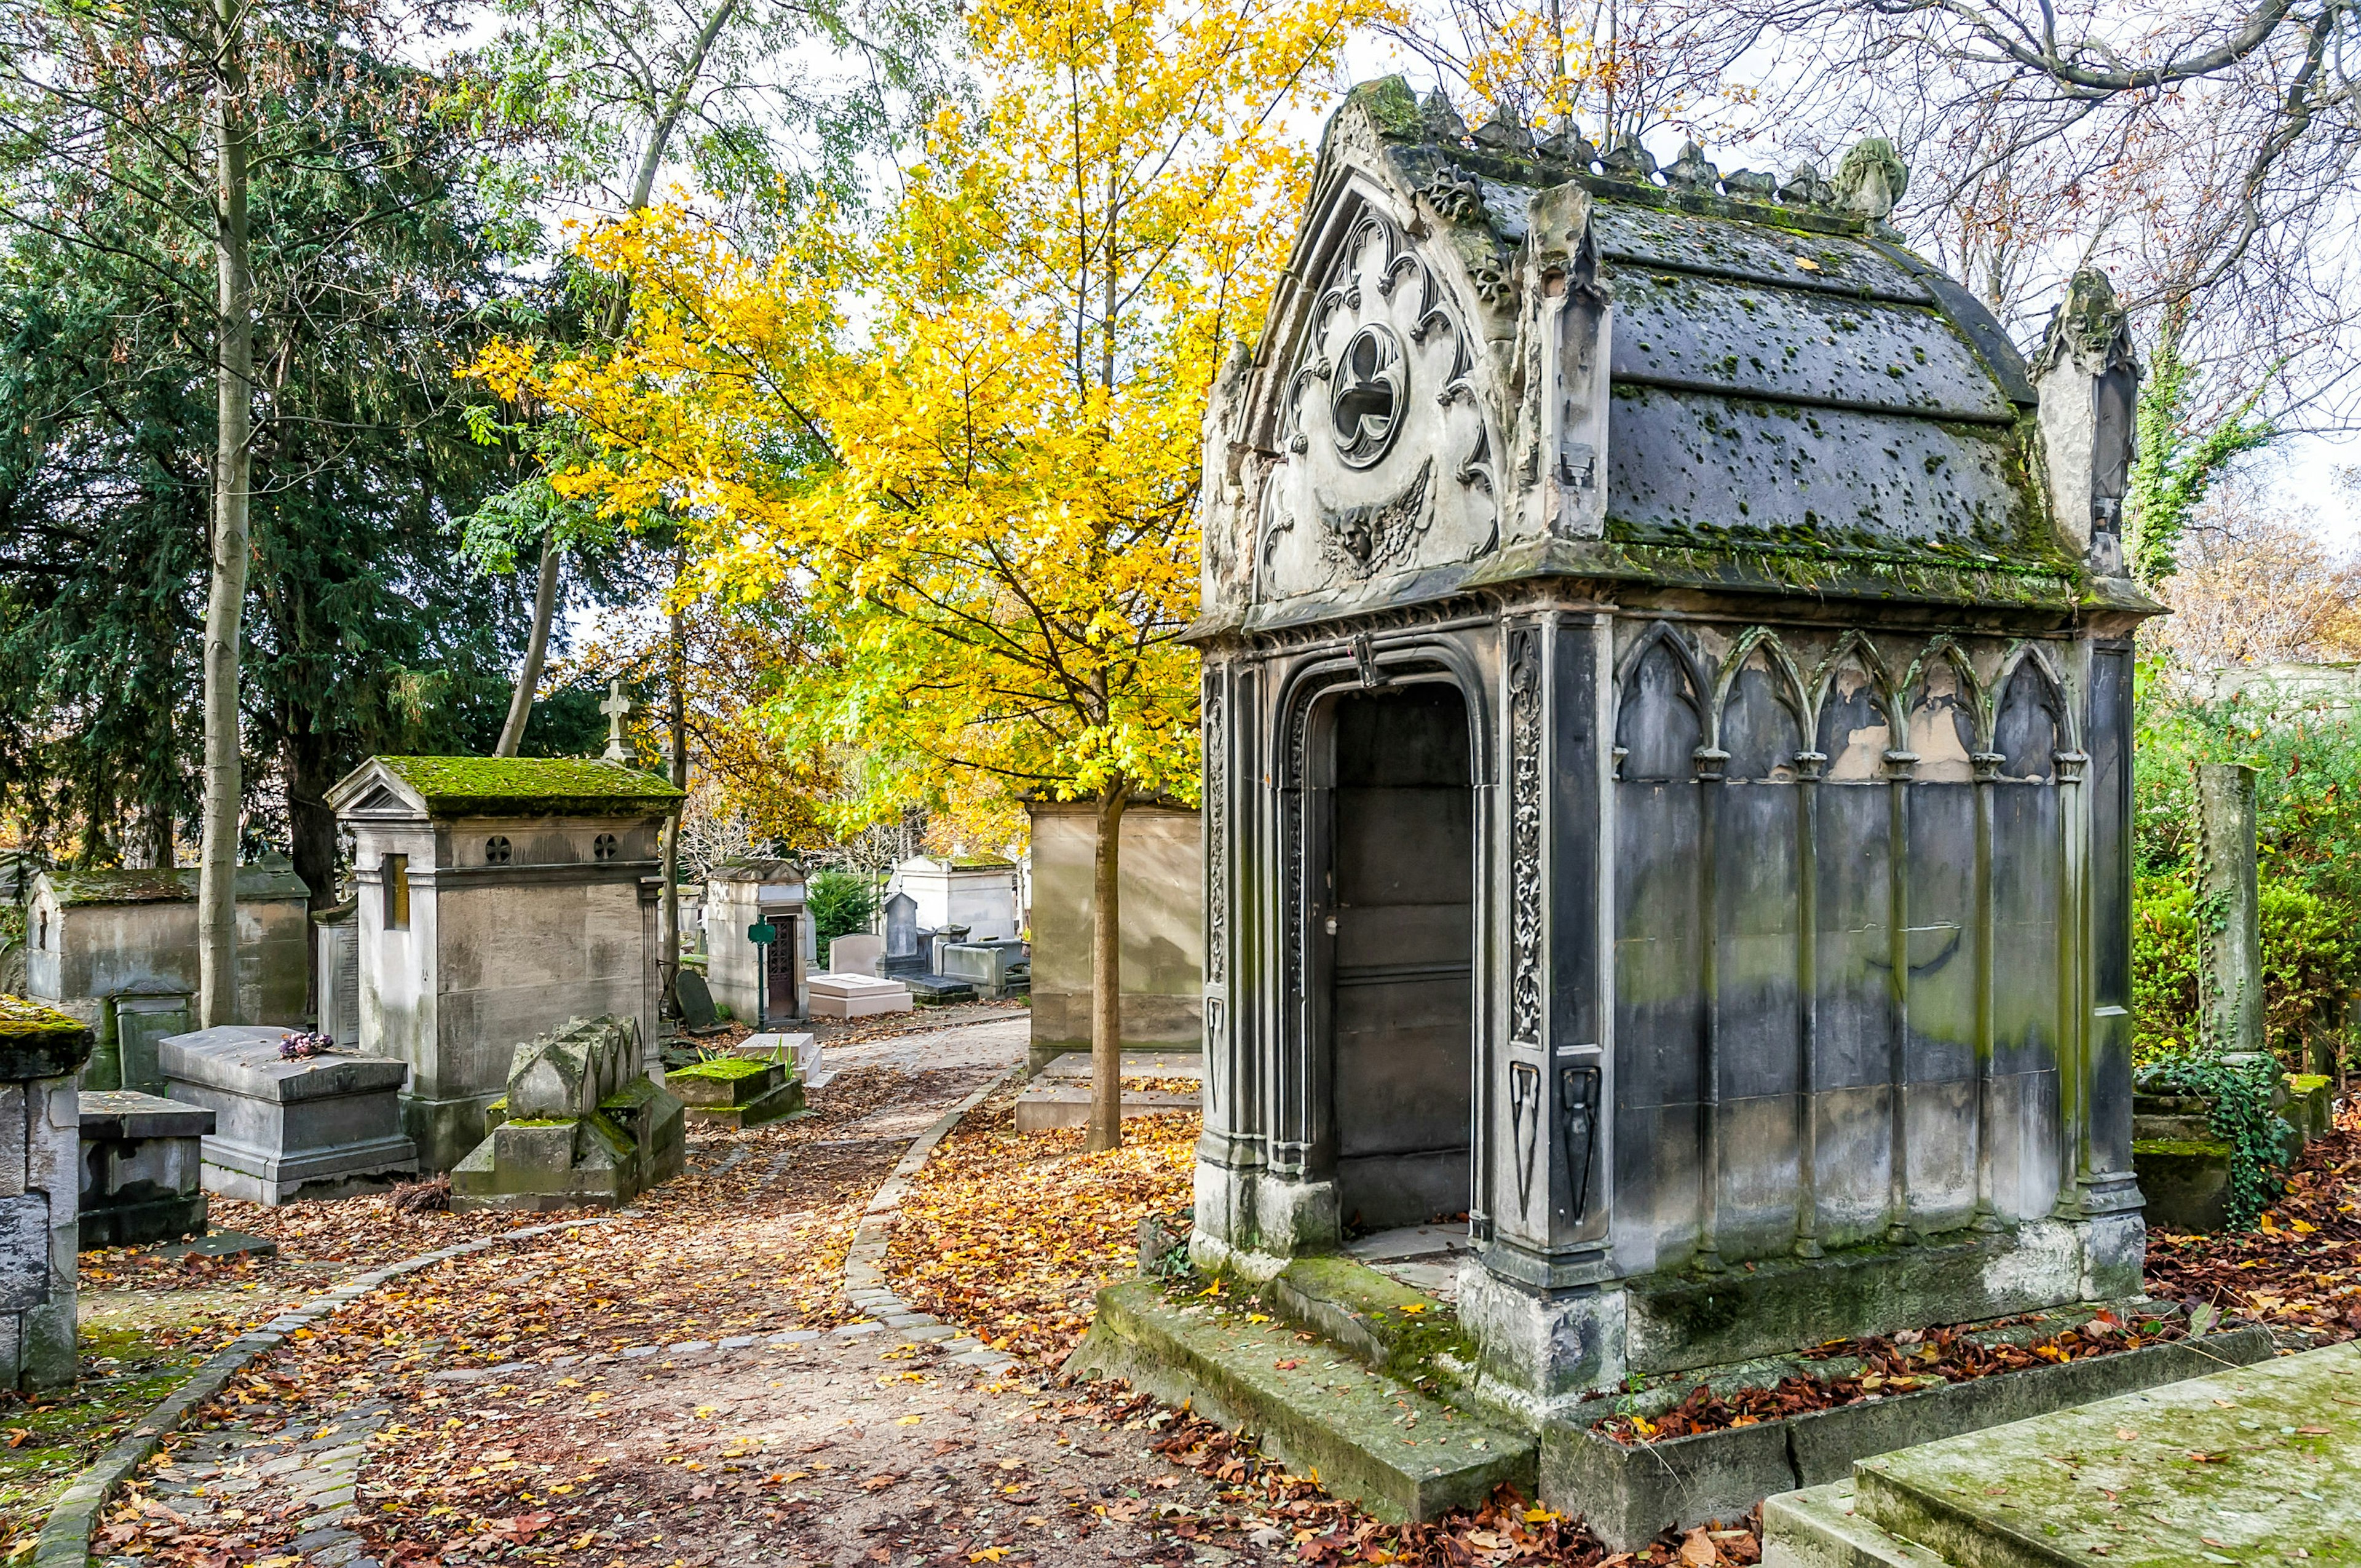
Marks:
<point>543,1122</point>
<point>532,787</point>
<point>725,1068</point>
<point>2185,1149</point>
<point>22,1019</point>
<point>1389,102</point>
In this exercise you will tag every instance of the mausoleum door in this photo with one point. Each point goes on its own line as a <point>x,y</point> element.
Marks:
<point>779,963</point>
<point>1399,893</point>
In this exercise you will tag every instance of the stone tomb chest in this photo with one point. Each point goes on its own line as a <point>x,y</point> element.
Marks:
<point>499,897</point>
<point>321,1126</point>
<point>1667,704</point>
<point>142,1168</point>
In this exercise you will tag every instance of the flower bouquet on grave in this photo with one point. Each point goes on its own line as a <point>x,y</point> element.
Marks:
<point>298,1047</point>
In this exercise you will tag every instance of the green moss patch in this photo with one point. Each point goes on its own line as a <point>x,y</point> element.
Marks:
<point>726,1070</point>
<point>2182,1148</point>
<point>21,1018</point>
<point>532,787</point>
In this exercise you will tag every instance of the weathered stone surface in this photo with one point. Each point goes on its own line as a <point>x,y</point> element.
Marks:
<point>1374,1439</point>
<point>2261,1462</point>
<point>312,1127</point>
<point>142,1165</point>
<point>581,1126</point>
<point>1629,1493</point>
<point>2186,1182</point>
<point>736,1092</point>
<point>41,1051</point>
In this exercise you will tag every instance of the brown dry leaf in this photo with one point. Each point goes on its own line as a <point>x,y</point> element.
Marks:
<point>1699,1551</point>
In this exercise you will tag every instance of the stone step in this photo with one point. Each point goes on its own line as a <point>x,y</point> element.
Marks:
<point>1076,1065</point>
<point>1817,1529</point>
<point>1042,1107</point>
<point>1370,1437</point>
<point>2259,1462</point>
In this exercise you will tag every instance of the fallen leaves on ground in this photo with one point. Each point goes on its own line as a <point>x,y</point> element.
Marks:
<point>1886,1365</point>
<point>1010,1234</point>
<point>2299,1268</point>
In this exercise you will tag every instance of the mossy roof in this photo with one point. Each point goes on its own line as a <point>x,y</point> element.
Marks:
<point>20,1018</point>
<point>255,884</point>
<point>532,787</point>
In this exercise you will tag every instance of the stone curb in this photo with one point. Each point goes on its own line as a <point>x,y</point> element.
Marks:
<point>64,1540</point>
<point>865,1285</point>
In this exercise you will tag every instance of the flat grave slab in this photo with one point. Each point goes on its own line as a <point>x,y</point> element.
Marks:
<point>842,996</point>
<point>2251,1464</point>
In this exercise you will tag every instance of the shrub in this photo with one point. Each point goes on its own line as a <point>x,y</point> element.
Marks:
<point>841,904</point>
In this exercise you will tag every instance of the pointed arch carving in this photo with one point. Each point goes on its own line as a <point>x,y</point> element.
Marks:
<point>1662,711</point>
<point>1949,723</point>
<point>1856,711</point>
<point>2032,724</point>
<point>1763,735</point>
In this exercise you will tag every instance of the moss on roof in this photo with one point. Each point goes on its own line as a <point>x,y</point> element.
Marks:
<point>20,1019</point>
<point>255,884</point>
<point>532,786</point>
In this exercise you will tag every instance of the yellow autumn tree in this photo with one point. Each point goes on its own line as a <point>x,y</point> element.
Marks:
<point>968,437</point>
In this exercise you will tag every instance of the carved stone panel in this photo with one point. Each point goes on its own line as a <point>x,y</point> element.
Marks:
<point>1388,462</point>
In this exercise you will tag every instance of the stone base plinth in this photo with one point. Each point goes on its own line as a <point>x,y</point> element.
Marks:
<point>736,1092</point>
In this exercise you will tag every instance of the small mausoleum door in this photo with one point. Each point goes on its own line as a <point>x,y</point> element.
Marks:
<point>779,964</point>
<point>1400,886</point>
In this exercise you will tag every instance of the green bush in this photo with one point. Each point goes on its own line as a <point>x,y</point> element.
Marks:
<point>2309,956</point>
<point>841,904</point>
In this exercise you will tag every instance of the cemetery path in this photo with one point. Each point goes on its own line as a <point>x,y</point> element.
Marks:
<point>482,1411</point>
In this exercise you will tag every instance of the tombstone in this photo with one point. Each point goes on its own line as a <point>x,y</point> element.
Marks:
<point>42,1051</point>
<point>498,897</point>
<point>697,1016</point>
<point>855,954</point>
<point>100,941</point>
<point>1666,768</point>
<point>582,1126</point>
<point>905,947</point>
<point>142,1024</point>
<point>765,985</point>
<point>978,892</point>
<point>995,968</point>
<point>142,1175</point>
<point>2229,937</point>
<point>337,934</point>
<point>321,1126</point>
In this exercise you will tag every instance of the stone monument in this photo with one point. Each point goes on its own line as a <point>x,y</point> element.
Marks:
<point>1667,711</point>
<point>581,1125</point>
<point>290,1127</point>
<point>906,943</point>
<point>142,1168</point>
<point>41,1052</point>
<point>978,892</point>
<point>499,896</point>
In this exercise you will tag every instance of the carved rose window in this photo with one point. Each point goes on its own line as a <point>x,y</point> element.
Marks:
<point>1367,399</point>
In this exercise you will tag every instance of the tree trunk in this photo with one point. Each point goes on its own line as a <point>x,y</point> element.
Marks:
<point>225,599</point>
<point>679,717</point>
<point>536,648</point>
<point>1106,973</point>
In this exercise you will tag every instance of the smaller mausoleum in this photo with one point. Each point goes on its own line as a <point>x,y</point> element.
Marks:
<point>978,893</point>
<point>499,896</point>
<point>736,895</point>
<point>119,951</point>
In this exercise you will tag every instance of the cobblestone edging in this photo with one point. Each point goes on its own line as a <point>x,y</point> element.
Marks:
<point>64,1540</point>
<point>865,1285</point>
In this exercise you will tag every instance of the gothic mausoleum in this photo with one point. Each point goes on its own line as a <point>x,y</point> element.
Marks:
<point>1668,704</point>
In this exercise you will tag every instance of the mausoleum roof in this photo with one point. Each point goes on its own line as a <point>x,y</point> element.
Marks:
<point>519,786</point>
<point>1493,358</point>
<point>256,884</point>
<point>753,869</point>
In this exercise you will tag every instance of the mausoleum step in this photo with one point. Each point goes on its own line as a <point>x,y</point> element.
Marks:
<point>1371,1437</point>
<point>1042,1106</point>
<point>1076,1065</point>
<point>1817,1529</point>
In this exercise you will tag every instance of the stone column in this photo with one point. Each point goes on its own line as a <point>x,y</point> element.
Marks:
<point>41,1051</point>
<point>2229,915</point>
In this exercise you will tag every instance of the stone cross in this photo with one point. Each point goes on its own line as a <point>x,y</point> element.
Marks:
<point>2229,925</point>
<point>617,708</point>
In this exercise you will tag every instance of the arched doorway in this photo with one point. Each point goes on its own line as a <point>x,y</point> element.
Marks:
<point>1400,925</point>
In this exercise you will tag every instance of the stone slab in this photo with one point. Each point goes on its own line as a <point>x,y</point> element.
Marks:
<point>2255,1464</point>
<point>1374,1439</point>
<point>1629,1493</point>
<point>128,1113</point>
<point>220,1244</point>
<point>842,996</point>
<point>1076,1065</point>
<point>1041,1107</point>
